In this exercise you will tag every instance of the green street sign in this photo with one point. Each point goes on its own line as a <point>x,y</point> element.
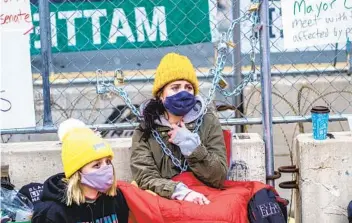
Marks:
<point>82,25</point>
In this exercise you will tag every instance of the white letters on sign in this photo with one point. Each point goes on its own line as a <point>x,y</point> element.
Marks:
<point>316,22</point>
<point>16,93</point>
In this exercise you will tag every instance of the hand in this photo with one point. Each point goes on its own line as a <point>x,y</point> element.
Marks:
<point>183,138</point>
<point>196,198</point>
<point>175,130</point>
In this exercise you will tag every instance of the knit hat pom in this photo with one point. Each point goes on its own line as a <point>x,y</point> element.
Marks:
<point>69,125</point>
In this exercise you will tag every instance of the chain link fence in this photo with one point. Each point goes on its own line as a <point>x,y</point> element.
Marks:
<point>132,36</point>
<point>82,37</point>
<point>302,78</point>
<point>87,36</point>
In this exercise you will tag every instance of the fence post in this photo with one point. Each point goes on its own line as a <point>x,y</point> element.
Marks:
<point>266,90</point>
<point>349,56</point>
<point>350,63</point>
<point>45,43</point>
<point>237,101</point>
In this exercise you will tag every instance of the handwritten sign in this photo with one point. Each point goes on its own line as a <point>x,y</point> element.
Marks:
<point>316,22</point>
<point>15,15</point>
<point>16,93</point>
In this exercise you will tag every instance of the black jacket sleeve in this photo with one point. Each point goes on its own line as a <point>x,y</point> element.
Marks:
<point>49,212</point>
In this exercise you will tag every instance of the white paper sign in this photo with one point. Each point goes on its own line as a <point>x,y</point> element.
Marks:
<point>16,93</point>
<point>275,31</point>
<point>316,22</point>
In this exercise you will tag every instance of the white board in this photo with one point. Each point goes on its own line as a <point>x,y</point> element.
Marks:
<point>316,22</point>
<point>275,31</point>
<point>16,97</point>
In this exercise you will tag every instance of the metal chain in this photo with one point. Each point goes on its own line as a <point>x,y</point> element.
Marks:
<point>253,15</point>
<point>168,152</point>
<point>221,59</point>
<point>123,94</point>
<point>103,87</point>
<point>156,135</point>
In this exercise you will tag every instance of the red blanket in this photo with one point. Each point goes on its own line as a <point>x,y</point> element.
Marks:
<point>227,205</point>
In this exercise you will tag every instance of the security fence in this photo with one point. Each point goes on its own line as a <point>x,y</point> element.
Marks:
<point>94,60</point>
<point>132,36</point>
<point>73,41</point>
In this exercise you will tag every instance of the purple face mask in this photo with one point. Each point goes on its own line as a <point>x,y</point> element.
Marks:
<point>101,179</point>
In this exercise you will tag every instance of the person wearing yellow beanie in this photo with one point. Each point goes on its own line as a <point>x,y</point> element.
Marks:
<point>174,67</point>
<point>165,144</point>
<point>86,191</point>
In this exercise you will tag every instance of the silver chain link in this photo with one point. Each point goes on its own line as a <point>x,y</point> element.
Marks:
<point>221,59</point>
<point>223,51</point>
<point>103,87</point>
<point>156,135</point>
<point>168,152</point>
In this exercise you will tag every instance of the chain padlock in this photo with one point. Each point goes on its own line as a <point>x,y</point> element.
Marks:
<point>119,77</point>
<point>222,83</point>
<point>231,44</point>
<point>100,87</point>
<point>254,7</point>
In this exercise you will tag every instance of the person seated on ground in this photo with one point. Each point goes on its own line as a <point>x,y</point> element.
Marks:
<point>173,113</point>
<point>86,191</point>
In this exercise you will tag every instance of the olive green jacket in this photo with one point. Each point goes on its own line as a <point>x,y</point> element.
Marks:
<point>153,170</point>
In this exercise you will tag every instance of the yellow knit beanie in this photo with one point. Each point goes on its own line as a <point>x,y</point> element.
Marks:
<point>174,67</point>
<point>80,146</point>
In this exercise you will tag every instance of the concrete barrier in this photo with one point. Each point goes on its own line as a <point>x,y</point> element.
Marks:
<point>325,178</point>
<point>289,88</point>
<point>36,161</point>
<point>248,157</point>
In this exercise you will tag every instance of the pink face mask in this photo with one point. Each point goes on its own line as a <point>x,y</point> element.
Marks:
<point>101,179</point>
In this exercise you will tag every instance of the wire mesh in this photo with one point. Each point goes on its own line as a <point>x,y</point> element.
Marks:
<point>134,35</point>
